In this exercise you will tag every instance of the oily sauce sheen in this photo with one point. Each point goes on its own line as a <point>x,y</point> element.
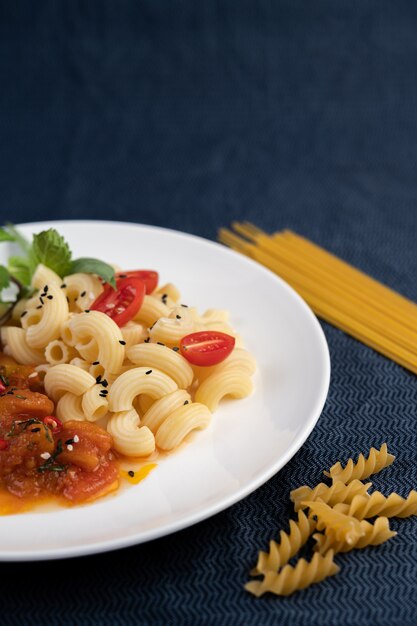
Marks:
<point>40,458</point>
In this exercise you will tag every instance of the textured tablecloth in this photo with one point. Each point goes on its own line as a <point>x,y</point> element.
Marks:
<point>189,115</point>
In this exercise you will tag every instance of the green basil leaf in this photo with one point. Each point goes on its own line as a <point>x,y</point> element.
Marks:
<point>20,269</point>
<point>51,249</point>
<point>5,236</point>
<point>94,266</point>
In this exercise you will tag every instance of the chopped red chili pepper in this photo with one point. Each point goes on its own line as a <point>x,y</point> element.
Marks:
<point>2,387</point>
<point>53,423</point>
<point>3,444</point>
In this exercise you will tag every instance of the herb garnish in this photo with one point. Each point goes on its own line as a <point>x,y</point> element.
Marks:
<point>49,248</point>
<point>50,464</point>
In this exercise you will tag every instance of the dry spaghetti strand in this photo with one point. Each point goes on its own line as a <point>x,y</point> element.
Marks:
<point>337,292</point>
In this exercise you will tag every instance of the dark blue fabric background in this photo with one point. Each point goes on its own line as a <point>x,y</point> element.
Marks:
<point>188,115</point>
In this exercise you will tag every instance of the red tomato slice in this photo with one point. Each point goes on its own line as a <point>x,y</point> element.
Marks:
<point>207,347</point>
<point>149,277</point>
<point>122,303</point>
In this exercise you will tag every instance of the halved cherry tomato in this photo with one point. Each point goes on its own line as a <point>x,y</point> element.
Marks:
<point>122,303</point>
<point>53,423</point>
<point>207,347</point>
<point>149,277</point>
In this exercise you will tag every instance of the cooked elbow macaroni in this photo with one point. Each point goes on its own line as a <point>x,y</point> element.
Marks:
<point>132,378</point>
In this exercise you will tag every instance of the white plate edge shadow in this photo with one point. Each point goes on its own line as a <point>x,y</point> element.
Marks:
<point>245,490</point>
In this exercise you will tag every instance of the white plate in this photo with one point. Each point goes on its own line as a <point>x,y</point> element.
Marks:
<point>248,440</point>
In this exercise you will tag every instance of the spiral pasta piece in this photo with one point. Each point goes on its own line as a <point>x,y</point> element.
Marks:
<point>338,492</point>
<point>344,528</point>
<point>364,467</point>
<point>180,423</point>
<point>373,535</point>
<point>136,381</point>
<point>233,383</point>
<point>291,579</point>
<point>163,358</point>
<point>159,410</point>
<point>129,437</point>
<point>280,553</point>
<point>378,504</point>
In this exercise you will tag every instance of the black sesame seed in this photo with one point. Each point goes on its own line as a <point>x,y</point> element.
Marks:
<point>82,294</point>
<point>104,383</point>
<point>178,317</point>
<point>49,297</point>
<point>122,343</point>
<point>160,343</point>
<point>41,300</point>
<point>46,288</point>
<point>96,363</point>
<point>164,298</point>
<point>131,473</point>
<point>98,379</point>
<point>148,372</point>
<point>87,311</point>
<point>69,442</point>
<point>175,348</point>
<point>39,307</point>
<point>104,392</point>
<point>185,306</point>
<point>63,286</point>
<point>186,402</point>
<point>23,314</point>
<point>147,340</point>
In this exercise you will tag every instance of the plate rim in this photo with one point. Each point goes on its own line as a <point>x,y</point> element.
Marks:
<point>229,500</point>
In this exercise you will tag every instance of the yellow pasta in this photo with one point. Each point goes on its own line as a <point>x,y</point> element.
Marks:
<point>151,310</point>
<point>338,492</point>
<point>129,437</point>
<point>69,407</point>
<point>163,358</point>
<point>15,345</point>
<point>136,381</point>
<point>170,330</point>
<point>45,276</point>
<point>180,423</point>
<point>46,321</point>
<point>98,327</point>
<point>280,553</point>
<point>291,579</point>
<point>66,377</point>
<point>159,410</point>
<point>378,504</point>
<point>239,360</point>
<point>364,467</point>
<point>94,404</point>
<point>57,352</point>
<point>168,294</point>
<point>81,290</point>
<point>133,333</point>
<point>373,535</point>
<point>234,383</point>
<point>345,528</point>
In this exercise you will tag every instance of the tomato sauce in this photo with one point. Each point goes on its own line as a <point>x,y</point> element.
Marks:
<point>42,458</point>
